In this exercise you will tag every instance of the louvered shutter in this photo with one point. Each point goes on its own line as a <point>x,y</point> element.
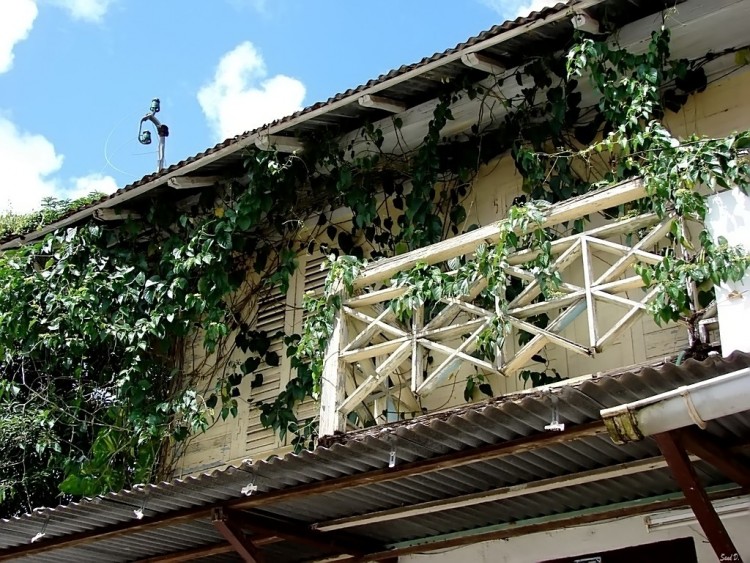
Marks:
<point>272,319</point>
<point>314,282</point>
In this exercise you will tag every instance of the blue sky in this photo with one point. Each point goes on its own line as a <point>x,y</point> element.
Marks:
<point>76,76</point>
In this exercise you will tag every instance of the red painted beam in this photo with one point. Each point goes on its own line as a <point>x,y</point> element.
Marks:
<point>684,473</point>
<point>235,536</point>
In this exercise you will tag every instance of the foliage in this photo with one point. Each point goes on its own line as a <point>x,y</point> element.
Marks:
<point>52,209</point>
<point>119,342</point>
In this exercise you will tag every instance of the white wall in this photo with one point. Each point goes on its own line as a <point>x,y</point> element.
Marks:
<point>584,540</point>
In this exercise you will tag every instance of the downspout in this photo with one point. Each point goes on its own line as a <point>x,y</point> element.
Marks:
<point>691,404</point>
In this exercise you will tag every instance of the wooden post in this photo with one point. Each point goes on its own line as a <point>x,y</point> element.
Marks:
<point>417,357</point>
<point>333,384</point>
<point>684,473</point>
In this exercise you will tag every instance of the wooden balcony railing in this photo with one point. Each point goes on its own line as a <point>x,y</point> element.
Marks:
<point>370,347</point>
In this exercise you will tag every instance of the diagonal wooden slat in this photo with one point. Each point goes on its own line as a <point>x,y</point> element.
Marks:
<point>371,383</point>
<point>452,362</point>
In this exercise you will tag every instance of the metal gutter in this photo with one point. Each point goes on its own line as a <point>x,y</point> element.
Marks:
<point>250,139</point>
<point>721,396</point>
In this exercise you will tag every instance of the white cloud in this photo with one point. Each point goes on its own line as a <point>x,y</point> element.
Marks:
<point>84,185</point>
<point>85,10</point>
<point>16,19</point>
<point>241,97</point>
<point>30,166</point>
<point>512,9</point>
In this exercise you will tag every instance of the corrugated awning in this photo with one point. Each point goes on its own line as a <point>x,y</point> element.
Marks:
<point>469,474</point>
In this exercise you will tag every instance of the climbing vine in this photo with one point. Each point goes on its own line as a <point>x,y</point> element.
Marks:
<point>121,341</point>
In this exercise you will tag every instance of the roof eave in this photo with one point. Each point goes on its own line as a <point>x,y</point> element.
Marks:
<point>248,139</point>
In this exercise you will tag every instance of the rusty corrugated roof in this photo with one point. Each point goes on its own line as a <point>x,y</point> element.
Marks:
<point>492,422</point>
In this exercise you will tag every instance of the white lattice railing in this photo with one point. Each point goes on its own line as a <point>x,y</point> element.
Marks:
<point>373,358</point>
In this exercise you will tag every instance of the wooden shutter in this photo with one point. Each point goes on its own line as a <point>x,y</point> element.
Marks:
<point>271,318</point>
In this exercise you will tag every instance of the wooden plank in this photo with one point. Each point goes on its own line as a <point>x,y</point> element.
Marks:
<point>626,321</point>
<point>368,386</point>
<point>531,291</point>
<point>621,266</point>
<point>417,357</point>
<point>617,300</point>
<point>451,331</point>
<point>301,533</point>
<point>448,350</point>
<point>451,362</point>
<point>620,286</point>
<point>190,554</point>
<point>617,227</point>
<point>373,351</point>
<point>569,210</point>
<point>483,62</point>
<point>551,337</point>
<point>523,356</point>
<point>684,473</point>
<point>549,305</point>
<point>193,182</point>
<point>622,250</point>
<point>381,103</point>
<point>333,384</point>
<point>563,521</point>
<point>373,297</point>
<point>369,331</point>
<point>588,275</point>
<point>367,319</point>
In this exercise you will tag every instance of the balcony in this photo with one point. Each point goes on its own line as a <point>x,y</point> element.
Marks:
<point>377,363</point>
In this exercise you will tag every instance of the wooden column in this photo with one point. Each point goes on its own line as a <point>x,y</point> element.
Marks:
<point>333,385</point>
<point>684,473</point>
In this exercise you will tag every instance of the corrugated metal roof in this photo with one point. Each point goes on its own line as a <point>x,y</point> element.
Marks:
<point>496,421</point>
<point>425,80</point>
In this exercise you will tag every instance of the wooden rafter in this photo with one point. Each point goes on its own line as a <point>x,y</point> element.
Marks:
<point>228,527</point>
<point>190,554</point>
<point>722,458</point>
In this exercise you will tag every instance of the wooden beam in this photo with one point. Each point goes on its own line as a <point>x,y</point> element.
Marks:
<point>190,554</point>
<point>228,528</point>
<point>333,385</point>
<point>371,383</point>
<point>497,494</point>
<point>482,62</point>
<point>280,143</point>
<point>684,473</point>
<point>467,243</point>
<point>381,103</point>
<point>584,22</point>
<point>385,474</point>
<point>301,533</point>
<point>713,452</point>
<point>451,363</point>
<point>113,214</point>
<point>193,182</point>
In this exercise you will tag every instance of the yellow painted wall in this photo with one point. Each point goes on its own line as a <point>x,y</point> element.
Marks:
<point>721,109</point>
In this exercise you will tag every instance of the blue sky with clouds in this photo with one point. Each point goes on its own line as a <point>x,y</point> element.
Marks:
<point>76,76</point>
